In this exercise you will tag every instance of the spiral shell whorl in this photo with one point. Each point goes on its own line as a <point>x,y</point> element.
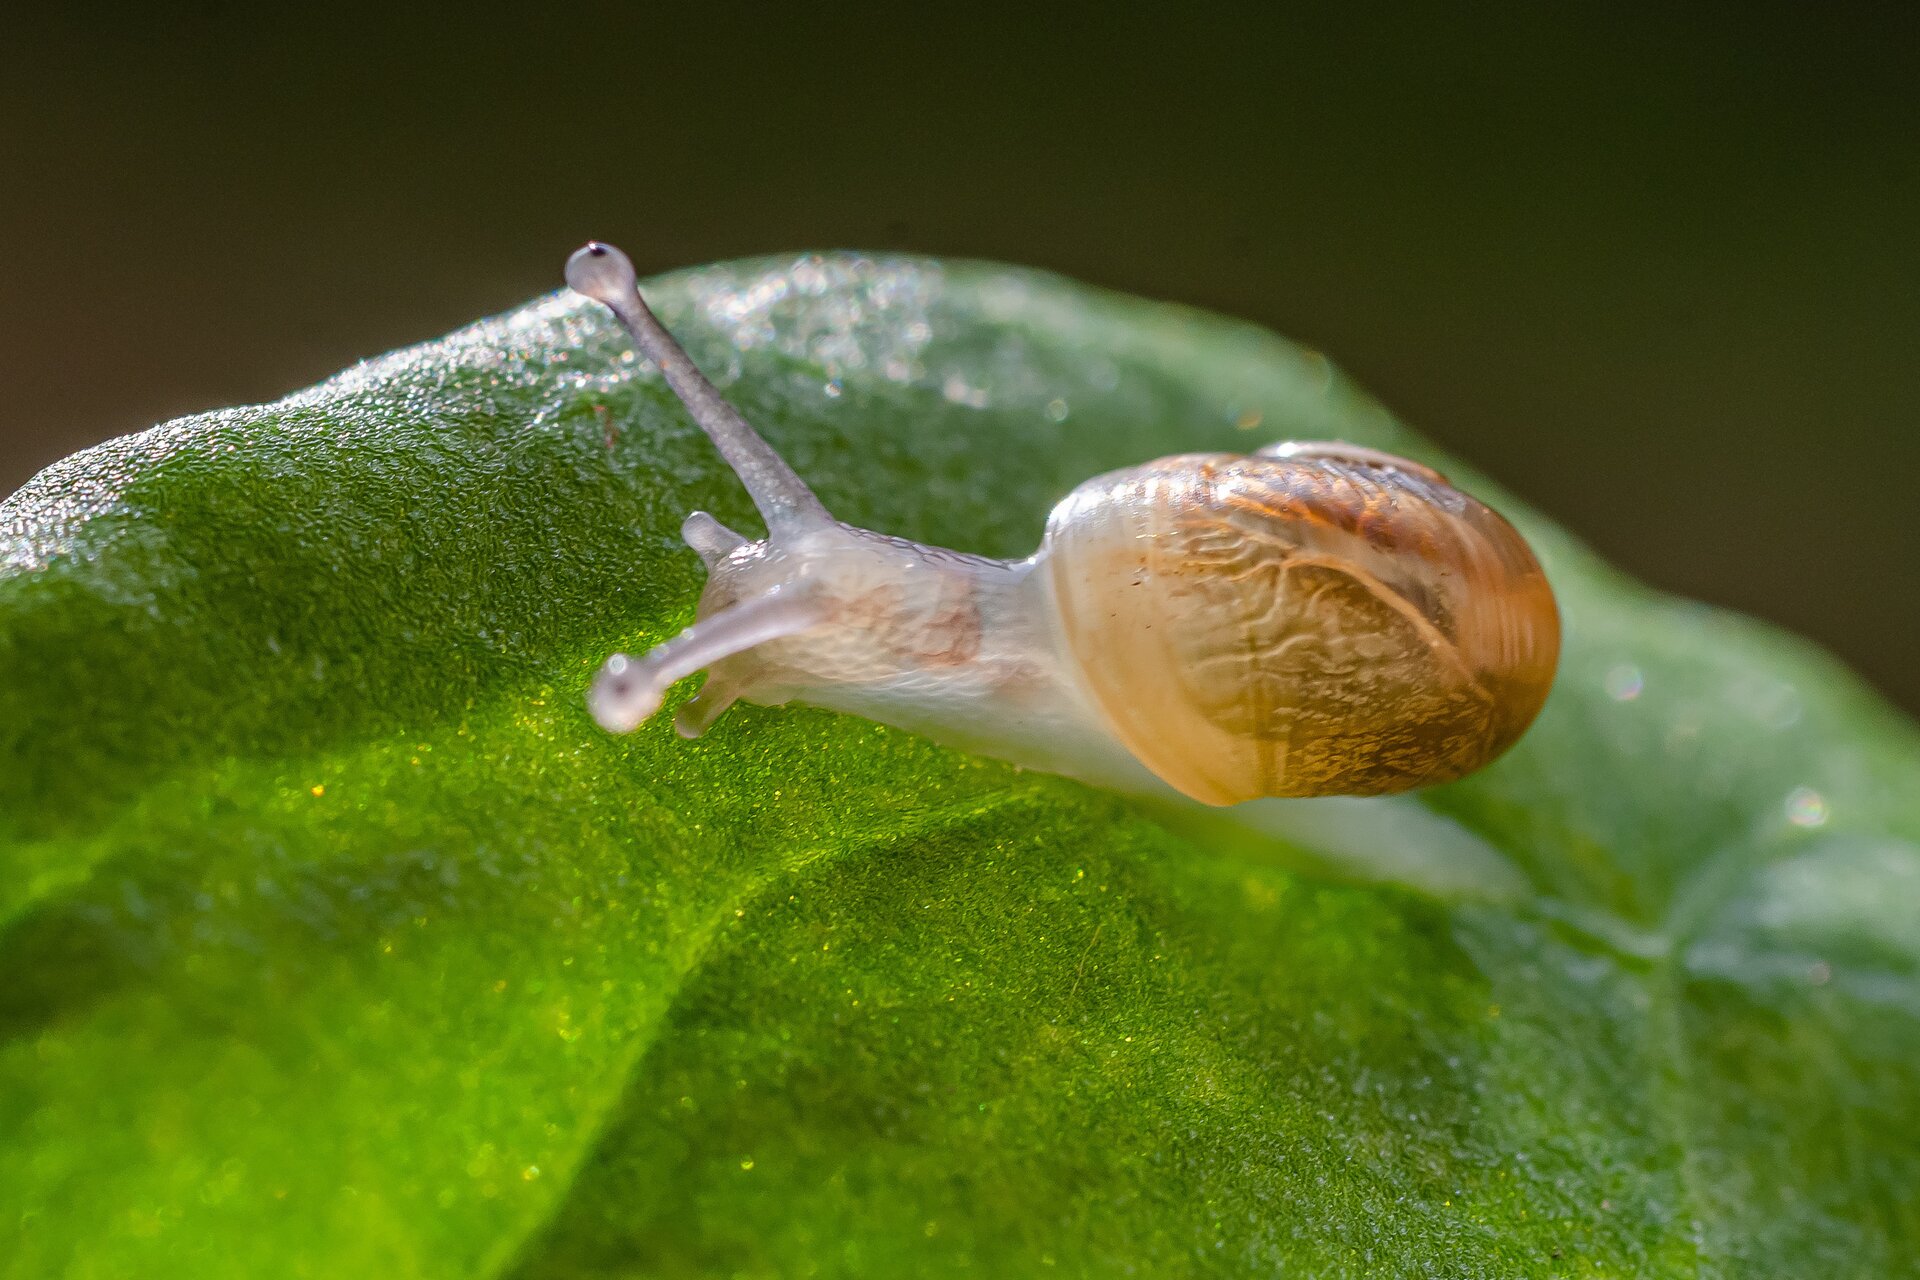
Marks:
<point>1300,625</point>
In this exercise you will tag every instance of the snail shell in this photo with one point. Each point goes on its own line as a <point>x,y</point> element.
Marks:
<point>1314,620</point>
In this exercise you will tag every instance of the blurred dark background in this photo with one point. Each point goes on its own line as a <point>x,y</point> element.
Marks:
<point>1654,266</point>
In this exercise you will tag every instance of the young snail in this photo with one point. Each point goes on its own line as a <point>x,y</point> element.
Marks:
<point>1311,620</point>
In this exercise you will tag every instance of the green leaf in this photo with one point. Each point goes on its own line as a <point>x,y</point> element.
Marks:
<point>336,940</point>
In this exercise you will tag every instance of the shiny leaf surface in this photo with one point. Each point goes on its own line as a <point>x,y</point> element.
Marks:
<point>338,941</point>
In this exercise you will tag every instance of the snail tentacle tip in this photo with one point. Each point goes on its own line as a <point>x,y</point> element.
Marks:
<point>710,539</point>
<point>602,272</point>
<point>624,694</point>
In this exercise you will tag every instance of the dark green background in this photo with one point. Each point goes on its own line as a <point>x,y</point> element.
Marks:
<point>1655,267</point>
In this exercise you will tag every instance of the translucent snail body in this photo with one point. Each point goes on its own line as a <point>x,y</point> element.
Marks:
<point>1310,620</point>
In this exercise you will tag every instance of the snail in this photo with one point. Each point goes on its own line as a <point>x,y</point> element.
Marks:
<point>1312,619</point>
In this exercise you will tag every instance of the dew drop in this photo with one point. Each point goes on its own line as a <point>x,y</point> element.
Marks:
<point>1807,808</point>
<point>1624,682</point>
